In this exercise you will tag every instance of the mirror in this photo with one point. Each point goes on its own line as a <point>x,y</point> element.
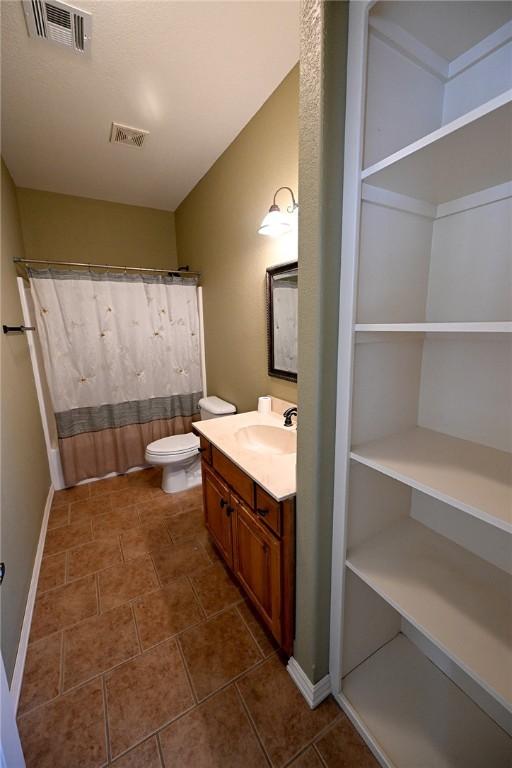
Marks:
<point>282,317</point>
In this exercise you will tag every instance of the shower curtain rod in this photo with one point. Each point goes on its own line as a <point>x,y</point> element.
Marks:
<point>182,272</point>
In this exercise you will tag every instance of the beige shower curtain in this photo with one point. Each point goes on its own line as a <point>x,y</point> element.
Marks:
<point>122,359</point>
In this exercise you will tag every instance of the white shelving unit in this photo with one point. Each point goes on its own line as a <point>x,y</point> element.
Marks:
<point>384,691</point>
<point>421,598</point>
<point>466,475</point>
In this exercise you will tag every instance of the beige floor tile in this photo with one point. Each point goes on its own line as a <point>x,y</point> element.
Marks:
<point>190,499</point>
<point>68,495</point>
<point>67,536</point>
<point>110,484</point>
<point>258,630</point>
<point>115,522</point>
<point>308,759</point>
<point>53,572</point>
<point>149,478</point>
<point>343,747</point>
<point>179,560</point>
<point>139,541</point>
<point>145,694</point>
<point>146,755</point>
<point>206,542</point>
<point>133,494</point>
<point>158,509</point>
<point>64,606</point>
<point>217,734</point>
<point>186,525</point>
<point>215,589</point>
<point>68,732</point>
<point>41,676</point>
<point>98,644</point>
<point>126,581</point>
<point>92,557</point>
<point>284,721</point>
<point>217,651</point>
<point>59,515</point>
<point>164,613</point>
<point>81,511</point>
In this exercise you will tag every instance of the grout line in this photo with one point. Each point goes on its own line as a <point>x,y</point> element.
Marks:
<point>98,598</point>
<point>61,665</point>
<point>311,743</point>
<point>96,675</point>
<point>187,672</point>
<point>159,748</point>
<point>197,598</point>
<point>252,724</point>
<point>105,715</point>
<point>249,629</point>
<point>155,732</point>
<point>87,681</point>
<point>319,754</point>
<point>233,680</point>
<point>136,626</point>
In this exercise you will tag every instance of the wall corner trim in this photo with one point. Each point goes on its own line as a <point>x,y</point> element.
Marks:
<point>21,656</point>
<point>313,693</point>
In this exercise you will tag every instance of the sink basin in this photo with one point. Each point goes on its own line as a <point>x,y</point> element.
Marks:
<point>265,439</point>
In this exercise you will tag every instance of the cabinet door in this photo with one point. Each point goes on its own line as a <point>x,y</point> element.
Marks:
<point>257,555</point>
<point>218,513</point>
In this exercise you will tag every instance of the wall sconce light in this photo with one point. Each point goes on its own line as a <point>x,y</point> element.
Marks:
<point>277,222</point>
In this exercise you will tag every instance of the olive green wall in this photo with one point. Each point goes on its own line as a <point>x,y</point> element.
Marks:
<point>216,230</point>
<point>25,479</point>
<point>67,228</point>
<point>322,119</point>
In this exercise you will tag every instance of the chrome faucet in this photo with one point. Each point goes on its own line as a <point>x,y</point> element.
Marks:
<point>288,416</point>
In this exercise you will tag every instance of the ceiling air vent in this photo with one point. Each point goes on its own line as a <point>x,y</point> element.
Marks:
<point>59,23</point>
<point>123,134</point>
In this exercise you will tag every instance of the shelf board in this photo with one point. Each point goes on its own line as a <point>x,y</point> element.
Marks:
<point>417,716</point>
<point>471,153</point>
<point>462,603</point>
<point>496,327</point>
<point>472,477</point>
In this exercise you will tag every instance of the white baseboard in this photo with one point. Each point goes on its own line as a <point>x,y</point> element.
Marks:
<point>19,666</point>
<point>314,693</point>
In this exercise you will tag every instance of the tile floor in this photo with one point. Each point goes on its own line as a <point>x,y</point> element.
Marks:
<point>144,654</point>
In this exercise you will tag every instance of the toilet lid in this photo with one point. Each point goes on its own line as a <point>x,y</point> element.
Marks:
<point>174,444</point>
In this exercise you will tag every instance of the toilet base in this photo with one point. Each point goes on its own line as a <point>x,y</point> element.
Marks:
<point>175,480</point>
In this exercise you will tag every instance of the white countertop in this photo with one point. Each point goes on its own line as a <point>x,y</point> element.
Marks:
<point>276,474</point>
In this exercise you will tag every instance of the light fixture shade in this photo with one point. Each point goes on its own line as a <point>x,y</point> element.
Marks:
<point>275,223</point>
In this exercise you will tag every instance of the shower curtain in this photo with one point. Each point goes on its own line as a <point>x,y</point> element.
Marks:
<point>122,358</point>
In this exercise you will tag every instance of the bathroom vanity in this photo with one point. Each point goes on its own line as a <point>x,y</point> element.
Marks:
<point>248,471</point>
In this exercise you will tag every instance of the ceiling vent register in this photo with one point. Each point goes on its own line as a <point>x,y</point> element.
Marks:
<point>59,23</point>
<point>124,134</point>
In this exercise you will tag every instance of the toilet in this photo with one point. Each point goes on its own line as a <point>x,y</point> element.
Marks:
<point>178,455</point>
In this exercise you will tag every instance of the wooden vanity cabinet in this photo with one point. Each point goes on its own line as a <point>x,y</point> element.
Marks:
<point>257,565</point>
<point>255,534</point>
<point>218,513</point>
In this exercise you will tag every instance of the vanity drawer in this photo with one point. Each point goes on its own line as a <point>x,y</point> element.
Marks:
<point>268,510</point>
<point>205,449</point>
<point>238,480</point>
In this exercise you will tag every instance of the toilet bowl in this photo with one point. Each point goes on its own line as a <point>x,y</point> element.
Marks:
<point>179,456</point>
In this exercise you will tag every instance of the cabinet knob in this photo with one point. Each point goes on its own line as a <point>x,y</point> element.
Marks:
<point>201,450</point>
<point>222,503</point>
<point>229,511</point>
<point>262,512</point>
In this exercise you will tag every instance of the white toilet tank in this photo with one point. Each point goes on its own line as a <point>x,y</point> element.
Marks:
<point>213,407</point>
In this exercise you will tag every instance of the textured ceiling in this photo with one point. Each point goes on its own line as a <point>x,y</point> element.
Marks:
<point>191,73</point>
